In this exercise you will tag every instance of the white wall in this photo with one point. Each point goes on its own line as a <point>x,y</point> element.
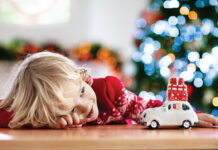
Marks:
<point>107,21</point>
<point>112,23</point>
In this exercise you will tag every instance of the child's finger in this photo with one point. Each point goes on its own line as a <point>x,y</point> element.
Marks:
<point>206,124</point>
<point>82,119</point>
<point>62,123</point>
<point>76,126</point>
<point>212,119</point>
<point>68,119</point>
<point>209,118</point>
<point>75,118</point>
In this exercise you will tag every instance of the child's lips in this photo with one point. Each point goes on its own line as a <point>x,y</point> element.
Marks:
<point>90,113</point>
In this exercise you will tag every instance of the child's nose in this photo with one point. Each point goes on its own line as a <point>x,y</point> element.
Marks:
<point>83,107</point>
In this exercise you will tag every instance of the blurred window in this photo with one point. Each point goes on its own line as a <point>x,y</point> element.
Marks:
<point>29,12</point>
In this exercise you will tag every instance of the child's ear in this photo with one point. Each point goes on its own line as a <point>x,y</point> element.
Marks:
<point>89,80</point>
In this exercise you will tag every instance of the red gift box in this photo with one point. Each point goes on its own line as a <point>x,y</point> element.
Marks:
<point>177,90</point>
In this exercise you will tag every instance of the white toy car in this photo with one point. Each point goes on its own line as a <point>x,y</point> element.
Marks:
<point>172,113</point>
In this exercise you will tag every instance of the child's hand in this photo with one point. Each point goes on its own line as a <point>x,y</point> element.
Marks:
<point>64,122</point>
<point>207,120</point>
<point>67,121</point>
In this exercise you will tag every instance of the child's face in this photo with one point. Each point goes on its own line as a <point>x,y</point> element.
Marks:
<point>84,102</point>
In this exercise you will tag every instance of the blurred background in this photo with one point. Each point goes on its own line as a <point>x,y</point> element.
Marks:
<point>141,42</point>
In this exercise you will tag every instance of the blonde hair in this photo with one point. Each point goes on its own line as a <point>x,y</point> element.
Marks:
<point>36,96</point>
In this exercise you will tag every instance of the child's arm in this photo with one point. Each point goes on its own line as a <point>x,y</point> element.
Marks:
<point>207,120</point>
<point>137,105</point>
<point>5,117</point>
<point>131,106</point>
<point>127,103</point>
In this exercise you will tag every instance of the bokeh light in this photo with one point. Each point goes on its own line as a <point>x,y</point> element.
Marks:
<point>181,20</point>
<point>139,34</point>
<point>160,26</point>
<point>173,31</point>
<point>215,101</point>
<point>199,3</point>
<point>172,20</point>
<point>191,67</point>
<point>207,26</point>
<point>184,10</point>
<point>215,31</point>
<point>213,2</point>
<point>159,97</point>
<point>178,41</point>
<point>165,72</point>
<point>193,56</point>
<point>198,82</point>
<point>187,75</point>
<point>147,59</point>
<point>192,15</point>
<point>172,56</point>
<point>137,56</point>
<point>215,112</point>
<point>178,64</point>
<point>140,23</point>
<point>165,61</point>
<point>198,75</point>
<point>171,4</point>
<point>149,48</point>
<point>214,51</point>
<point>149,69</point>
<point>147,95</point>
<point>207,81</point>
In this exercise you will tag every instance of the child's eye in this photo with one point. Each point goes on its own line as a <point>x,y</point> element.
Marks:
<point>82,91</point>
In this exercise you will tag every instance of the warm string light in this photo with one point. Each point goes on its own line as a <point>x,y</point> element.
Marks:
<point>192,15</point>
<point>184,10</point>
<point>103,54</point>
<point>191,67</point>
<point>215,101</point>
<point>84,52</point>
<point>172,56</point>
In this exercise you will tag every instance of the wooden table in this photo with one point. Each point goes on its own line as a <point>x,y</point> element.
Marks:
<point>109,137</point>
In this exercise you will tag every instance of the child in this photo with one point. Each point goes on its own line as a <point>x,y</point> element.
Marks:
<point>49,91</point>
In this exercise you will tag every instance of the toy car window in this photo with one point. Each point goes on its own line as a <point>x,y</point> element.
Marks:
<point>185,107</point>
<point>169,106</point>
<point>176,106</point>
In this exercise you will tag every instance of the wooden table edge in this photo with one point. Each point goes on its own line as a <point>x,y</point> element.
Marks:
<point>194,143</point>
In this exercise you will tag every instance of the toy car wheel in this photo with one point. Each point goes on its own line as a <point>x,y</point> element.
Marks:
<point>154,124</point>
<point>186,124</point>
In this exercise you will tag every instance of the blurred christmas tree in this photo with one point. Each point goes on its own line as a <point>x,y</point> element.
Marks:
<point>180,39</point>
